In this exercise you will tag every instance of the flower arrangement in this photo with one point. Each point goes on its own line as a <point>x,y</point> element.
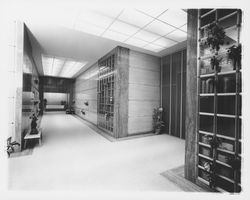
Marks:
<point>215,63</point>
<point>215,36</point>
<point>11,146</point>
<point>234,54</point>
<point>157,120</point>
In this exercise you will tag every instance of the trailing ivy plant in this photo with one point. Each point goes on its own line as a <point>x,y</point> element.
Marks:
<point>234,54</point>
<point>215,36</point>
<point>215,63</point>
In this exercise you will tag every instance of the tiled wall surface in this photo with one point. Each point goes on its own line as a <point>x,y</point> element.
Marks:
<point>144,91</point>
<point>85,91</point>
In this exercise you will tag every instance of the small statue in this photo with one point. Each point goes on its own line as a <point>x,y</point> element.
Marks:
<point>33,125</point>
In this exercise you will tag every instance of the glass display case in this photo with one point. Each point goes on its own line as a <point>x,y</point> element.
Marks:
<point>219,124</point>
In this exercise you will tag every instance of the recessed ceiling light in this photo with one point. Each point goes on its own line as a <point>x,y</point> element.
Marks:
<point>175,17</point>
<point>57,66</point>
<point>70,68</point>
<point>47,64</point>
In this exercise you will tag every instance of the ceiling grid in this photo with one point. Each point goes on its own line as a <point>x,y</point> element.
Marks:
<point>153,30</point>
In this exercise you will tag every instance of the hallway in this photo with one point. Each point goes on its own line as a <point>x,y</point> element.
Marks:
<point>73,156</point>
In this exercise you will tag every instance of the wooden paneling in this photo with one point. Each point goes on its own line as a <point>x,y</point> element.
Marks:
<point>143,61</point>
<point>142,108</point>
<point>144,77</point>
<point>85,90</point>
<point>173,72</point>
<point>166,78</point>
<point>144,91</point>
<point>138,125</point>
<point>191,97</point>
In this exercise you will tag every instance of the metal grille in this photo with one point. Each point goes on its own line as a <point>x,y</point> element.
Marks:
<point>105,102</point>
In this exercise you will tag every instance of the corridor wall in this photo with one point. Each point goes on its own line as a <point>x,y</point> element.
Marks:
<point>136,91</point>
<point>23,77</point>
<point>30,90</point>
<point>85,94</point>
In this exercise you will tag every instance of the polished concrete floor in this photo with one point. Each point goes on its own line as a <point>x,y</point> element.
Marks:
<point>73,156</point>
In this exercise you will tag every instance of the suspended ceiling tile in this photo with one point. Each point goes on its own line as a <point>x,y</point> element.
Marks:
<point>147,36</point>
<point>175,17</point>
<point>154,12</point>
<point>184,28</point>
<point>159,27</point>
<point>134,17</point>
<point>88,28</point>
<point>136,42</point>
<point>124,28</point>
<point>164,42</point>
<point>112,13</point>
<point>177,35</point>
<point>115,36</point>
<point>95,18</point>
<point>153,47</point>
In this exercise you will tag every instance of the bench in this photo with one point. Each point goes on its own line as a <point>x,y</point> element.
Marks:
<point>29,136</point>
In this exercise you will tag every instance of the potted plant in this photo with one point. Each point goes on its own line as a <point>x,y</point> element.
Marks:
<point>215,63</point>
<point>215,36</point>
<point>234,54</point>
<point>157,120</point>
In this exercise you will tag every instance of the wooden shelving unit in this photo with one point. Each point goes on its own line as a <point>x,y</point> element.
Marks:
<point>219,97</point>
